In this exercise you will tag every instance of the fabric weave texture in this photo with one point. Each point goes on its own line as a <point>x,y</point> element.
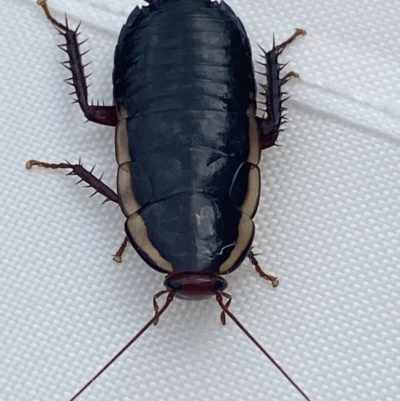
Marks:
<point>328,224</point>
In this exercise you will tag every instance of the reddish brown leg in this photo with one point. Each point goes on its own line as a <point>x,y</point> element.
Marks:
<point>227,303</point>
<point>288,76</point>
<point>118,256</point>
<point>155,304</point>
<point>105,115</point>
<point>281,47</point>
<point>253,260</point>
<point>83,174</point>
<point>271,125</point>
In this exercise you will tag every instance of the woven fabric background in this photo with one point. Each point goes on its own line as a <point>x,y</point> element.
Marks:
<point>328,224</point>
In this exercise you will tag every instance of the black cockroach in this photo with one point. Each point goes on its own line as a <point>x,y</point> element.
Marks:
<point>188,142</point>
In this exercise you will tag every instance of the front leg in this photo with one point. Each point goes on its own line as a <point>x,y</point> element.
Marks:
<point>270,126</point>
<point>274,280</point>
<point>105,115</point>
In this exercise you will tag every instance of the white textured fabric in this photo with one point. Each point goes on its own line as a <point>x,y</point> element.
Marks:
<point>328,225</point>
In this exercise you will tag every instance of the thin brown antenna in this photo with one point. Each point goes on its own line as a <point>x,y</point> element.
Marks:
<point>259,346</point>
<point>152,321</point>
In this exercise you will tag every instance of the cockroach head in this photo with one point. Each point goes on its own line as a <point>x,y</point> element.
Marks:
<point>192,286</point>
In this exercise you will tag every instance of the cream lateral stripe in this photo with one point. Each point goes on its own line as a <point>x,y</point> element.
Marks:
<point>245,235</point>
<point>250,203</point>
<point>121,111</point>
<point>254,134</point>
<point>122,143</point>
<point>138,232</point>
<point>129,203</point>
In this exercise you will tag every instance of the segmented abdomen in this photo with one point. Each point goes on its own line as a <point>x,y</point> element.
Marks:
<point>184,90</point>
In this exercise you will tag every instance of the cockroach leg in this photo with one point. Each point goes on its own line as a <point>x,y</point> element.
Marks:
<point>271,125</point>
<point>288,76</point>
<point>105,115</point>
<point>297,32</point>
<point>227,303</point>
<point>155,305</point>
<point>83,174</point>
<point>118,256</point>
<point>262,274</point>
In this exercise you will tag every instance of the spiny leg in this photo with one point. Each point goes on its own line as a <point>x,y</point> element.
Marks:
<point>83,174</point>
<point>254,262</point>
<point>92,181</point>
<point>105,115</point>
<point>270,126</point>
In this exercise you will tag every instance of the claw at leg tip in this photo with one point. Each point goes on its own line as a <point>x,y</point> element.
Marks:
<point>117,259</point>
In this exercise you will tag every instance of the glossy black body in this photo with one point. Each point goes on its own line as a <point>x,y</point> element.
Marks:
<point>187,144</point>
<point>184,81</point>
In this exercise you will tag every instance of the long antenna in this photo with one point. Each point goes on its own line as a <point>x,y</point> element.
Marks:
<point>245,331</point>
<point>153,320</point>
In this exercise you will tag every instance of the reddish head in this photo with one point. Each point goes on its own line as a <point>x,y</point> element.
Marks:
<point>195,286</point>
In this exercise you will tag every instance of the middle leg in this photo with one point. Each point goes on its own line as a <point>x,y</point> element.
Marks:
<point>83,174</point>
<point>93,182</point>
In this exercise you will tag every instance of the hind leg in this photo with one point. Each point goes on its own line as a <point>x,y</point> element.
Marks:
<point>271,125</point>
<point>105,115</point>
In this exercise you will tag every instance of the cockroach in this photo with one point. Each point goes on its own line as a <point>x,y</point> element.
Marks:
<point>187,141</point>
